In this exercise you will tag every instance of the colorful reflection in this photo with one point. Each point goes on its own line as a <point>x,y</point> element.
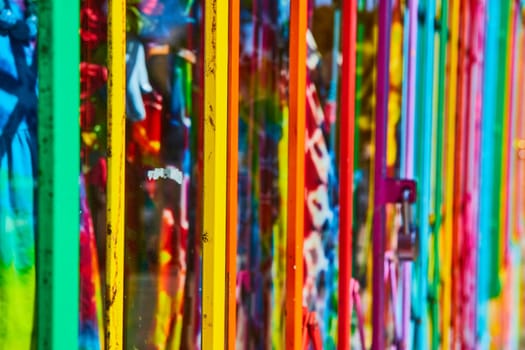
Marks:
<point>18,170</point>
<point>163,90</point>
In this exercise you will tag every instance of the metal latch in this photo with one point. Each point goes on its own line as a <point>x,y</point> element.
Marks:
<point>402,191</point>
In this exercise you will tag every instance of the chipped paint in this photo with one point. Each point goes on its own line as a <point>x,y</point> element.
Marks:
<point>114,307</point>
<point>215,174</point>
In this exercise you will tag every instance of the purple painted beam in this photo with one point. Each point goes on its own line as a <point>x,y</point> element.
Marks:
<point>378,228</point>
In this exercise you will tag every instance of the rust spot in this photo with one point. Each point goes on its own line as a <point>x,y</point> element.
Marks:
<point>111,299</point>
<point>210,67</point>
<point>212,122</point>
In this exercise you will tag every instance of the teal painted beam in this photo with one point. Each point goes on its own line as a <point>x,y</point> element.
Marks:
<point>486,205</point>
<point>423,165</point>
<point>58,179</point>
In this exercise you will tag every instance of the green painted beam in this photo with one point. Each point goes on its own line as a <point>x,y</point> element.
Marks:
<point>58,179</point>
<point>496,283</point>
<point>438,195</point>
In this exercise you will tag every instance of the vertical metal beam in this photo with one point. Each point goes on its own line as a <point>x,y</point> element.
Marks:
<point>295,199</point>
<point>487,176</point>
<point>379,219</point>
<point>424,169</point>
<point>233,150</point>
<point>502,114</point>
<point>459,165</point>
<point>406,267</point>
<point>520,210</point>
<point>506,141</point>
<point>449,182</point>
<point>215,122</point>
<point>504,188</point>
<point>440,132</point>
<point>512,176</point>
<point>517,82</point>
<point>520,135</point>
<point>58,188</point>
<point>346,166</point>
<point>116,119</point>
<point>499,127</point>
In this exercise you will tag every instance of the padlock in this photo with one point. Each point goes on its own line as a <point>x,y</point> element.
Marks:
<point>407,244</point>
<point>407,235</point>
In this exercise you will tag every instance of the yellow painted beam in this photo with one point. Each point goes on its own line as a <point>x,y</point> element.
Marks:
<point>215,174</point>
<point>449,197</point>
<point>295,200</point>
<point>504,190</point>
<point>116,119</point>
<point>233,150</point>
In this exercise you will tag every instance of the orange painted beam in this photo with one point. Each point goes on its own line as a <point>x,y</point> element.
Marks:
<point>295,200</point>
<point>459,181</point>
